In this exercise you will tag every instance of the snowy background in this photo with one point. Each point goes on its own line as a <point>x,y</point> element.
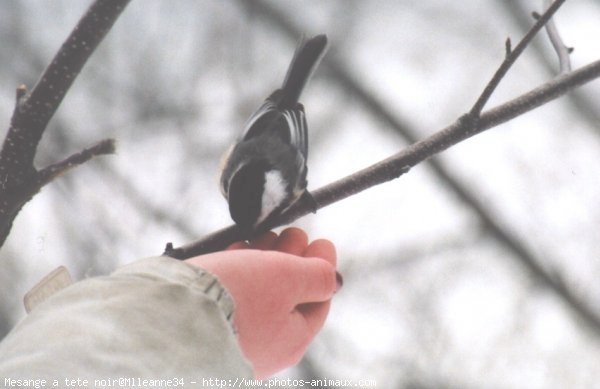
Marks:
<point>433,296</point>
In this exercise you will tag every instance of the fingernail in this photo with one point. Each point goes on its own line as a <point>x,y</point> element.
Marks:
<point>339,281</point>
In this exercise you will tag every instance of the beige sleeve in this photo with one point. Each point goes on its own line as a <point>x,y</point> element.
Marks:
<point>155,318</point>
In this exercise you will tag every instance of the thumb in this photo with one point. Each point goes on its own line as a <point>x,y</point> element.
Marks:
<point>318,281</point>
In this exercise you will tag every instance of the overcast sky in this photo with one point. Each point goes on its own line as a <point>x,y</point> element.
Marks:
<point>432,296</point>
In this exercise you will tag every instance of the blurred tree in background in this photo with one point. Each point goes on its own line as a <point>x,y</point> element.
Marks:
<point>436,292</point>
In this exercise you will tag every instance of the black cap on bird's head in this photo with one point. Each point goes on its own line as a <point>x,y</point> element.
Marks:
<point>245,193</point>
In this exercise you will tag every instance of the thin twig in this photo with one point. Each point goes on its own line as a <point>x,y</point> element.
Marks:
<point>396,165</point>
<point>563,52</point>
<point>34,110</point>
<point>579,102</point>
<point>510,59</point>
<point>19,179</point>
<point>49,173</point>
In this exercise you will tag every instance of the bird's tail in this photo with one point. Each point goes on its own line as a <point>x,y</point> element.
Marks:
<point>306,58</point>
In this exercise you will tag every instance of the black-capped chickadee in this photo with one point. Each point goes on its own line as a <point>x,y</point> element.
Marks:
<point>264,172</point>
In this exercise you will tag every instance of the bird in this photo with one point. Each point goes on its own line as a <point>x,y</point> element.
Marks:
<point>264,172</point>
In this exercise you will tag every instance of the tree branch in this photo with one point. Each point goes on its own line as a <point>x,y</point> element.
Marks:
<point>511,57</point>
<point>396,165</point>
<point>579,102</point>
<point>562,51</point>
<point>49,173</point>
<point>19,179</point>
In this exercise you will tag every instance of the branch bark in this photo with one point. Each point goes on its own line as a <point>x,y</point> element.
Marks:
<point>580,103</point>
<point>511,57</point>
<point>19,179</point>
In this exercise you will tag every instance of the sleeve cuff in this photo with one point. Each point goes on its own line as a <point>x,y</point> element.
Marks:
<point>178,272</point>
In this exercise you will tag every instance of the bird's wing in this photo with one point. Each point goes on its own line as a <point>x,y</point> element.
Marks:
<point>289,124</point>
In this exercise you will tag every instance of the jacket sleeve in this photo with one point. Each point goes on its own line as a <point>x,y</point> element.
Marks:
<point>156,318</point>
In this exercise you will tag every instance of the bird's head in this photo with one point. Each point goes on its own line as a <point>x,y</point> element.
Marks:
<point>255,191</point>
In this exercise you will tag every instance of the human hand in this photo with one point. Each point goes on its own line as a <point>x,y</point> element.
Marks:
<point>282,288</point>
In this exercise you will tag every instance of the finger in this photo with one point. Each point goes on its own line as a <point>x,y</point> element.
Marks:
<point>314,314</point>
<point>291,241</point>
<point>318,282</point>
<point>264,242</point>
<point>322,248</point>
<point>237,246</point>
